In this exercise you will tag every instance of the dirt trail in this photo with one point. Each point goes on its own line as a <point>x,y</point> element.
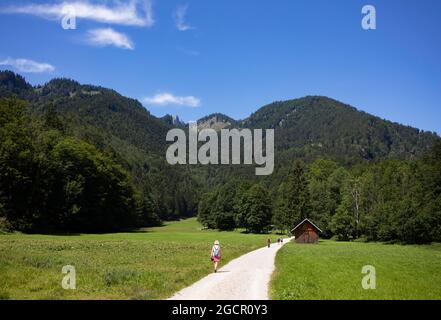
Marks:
<point>244,278</point>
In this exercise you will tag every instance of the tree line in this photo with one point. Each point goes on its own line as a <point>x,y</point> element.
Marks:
<point>54,180</point>
<point>389,200</point>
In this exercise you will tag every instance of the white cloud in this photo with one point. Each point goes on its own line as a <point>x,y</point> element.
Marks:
<point>165,98</point>
<point>27,66</point>
<point>132,13</point>
<point>109,37</point>
<point>180,13</point>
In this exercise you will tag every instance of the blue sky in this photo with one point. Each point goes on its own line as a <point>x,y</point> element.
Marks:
<point>193,58</point>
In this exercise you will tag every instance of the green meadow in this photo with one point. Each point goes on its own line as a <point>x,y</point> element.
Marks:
<point>333,270</point>
<point>152,263</point>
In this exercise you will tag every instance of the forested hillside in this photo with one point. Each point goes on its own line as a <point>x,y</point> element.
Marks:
<point>101,108</point>
<point>314,126</point>
<point>77,158</point>
<point>117,129</point>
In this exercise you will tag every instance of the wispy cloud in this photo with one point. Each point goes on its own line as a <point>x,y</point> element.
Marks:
<point>109,37</point>
<point>132,13</point>
<point>165,98</point>
<point>180,13</point>
<point>27,66</point>
<point>148,11</point>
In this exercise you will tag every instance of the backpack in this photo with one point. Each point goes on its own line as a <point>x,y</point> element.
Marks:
<point>216,251</point>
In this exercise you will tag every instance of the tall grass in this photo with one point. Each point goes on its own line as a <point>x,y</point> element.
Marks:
<point>149,264</point>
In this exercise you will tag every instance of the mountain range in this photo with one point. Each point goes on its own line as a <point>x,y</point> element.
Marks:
<point>306,128</point>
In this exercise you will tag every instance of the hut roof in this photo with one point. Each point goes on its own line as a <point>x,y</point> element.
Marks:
<point>306,220</point>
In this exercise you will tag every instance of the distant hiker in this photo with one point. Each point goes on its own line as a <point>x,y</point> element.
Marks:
<point>269,242</point>
<point>216,254</point>
<point>278,241</point>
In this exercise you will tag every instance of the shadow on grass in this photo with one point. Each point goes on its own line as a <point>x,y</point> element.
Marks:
<point>89,232</point>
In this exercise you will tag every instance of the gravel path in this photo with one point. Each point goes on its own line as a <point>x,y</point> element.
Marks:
<point>245,278</point>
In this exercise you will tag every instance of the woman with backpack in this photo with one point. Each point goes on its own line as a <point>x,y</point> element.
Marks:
<point>216,254</point>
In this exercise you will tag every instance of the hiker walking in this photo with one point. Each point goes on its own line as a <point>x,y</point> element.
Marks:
<point>269,242</point>
<point>216,254</point>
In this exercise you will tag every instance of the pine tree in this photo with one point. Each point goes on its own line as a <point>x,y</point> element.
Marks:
<point>293,203</point>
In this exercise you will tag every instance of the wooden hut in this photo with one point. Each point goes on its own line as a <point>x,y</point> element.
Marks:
<point>306,232</point>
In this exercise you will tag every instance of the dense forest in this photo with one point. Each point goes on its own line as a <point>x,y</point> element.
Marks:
<point>82,158</point>
<point>389,200</point>
<point>75,142</point>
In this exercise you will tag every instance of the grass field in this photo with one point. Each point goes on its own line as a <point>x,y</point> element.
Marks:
<point>332,270</point>
<point>149,264</point>
<point>154,263</point>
